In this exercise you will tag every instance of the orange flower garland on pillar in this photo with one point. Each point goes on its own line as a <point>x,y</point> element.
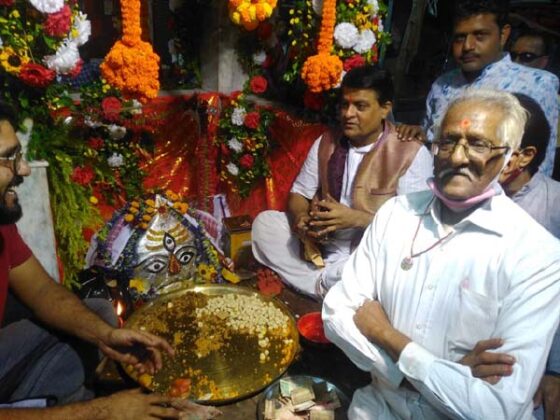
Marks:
<point>131,65</point>
<point>322,71</point>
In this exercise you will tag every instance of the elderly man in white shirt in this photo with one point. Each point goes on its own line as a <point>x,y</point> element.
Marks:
<point>366,166</point>
<point>438,271</point>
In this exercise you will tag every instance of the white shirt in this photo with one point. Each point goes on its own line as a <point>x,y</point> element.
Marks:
<point>307,184</point>
<point>497,275</point>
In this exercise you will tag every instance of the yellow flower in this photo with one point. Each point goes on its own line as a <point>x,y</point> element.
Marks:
<point>150,202</point>
<point>93,200</point>
<point>146,217</point>
<point>15,14</point>
<point>150,210</point>
<point>128,218</point>
<point>11,61</point>
<point>206,272</point>
<point>29,38</point>
<point>135,204</point>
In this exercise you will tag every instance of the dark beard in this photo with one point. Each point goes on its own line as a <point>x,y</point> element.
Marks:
<point>10,215</point>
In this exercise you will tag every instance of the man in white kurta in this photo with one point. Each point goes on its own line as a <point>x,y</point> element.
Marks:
<point>276,243</point>
<point>427,283</point>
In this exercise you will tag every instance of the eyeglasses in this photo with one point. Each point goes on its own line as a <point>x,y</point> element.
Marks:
<point>15,160</point>
<point>473,148</point>
<point>524,57</point>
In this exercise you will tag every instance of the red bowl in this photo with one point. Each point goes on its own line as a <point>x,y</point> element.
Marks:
<point>310,327</point>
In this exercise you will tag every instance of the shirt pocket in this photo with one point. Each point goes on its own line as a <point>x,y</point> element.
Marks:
<point>473,319</point>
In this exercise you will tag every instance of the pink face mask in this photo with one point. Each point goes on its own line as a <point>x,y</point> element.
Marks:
<point>461,205</point>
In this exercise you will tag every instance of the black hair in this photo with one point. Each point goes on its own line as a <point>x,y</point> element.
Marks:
<point>370,77</point>
<point>535,33</point>
<point>537,130</point>
<point>8,113</point>
<point>465,9</point>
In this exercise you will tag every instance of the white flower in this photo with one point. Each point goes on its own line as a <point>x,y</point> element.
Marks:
<point>345,35</point>
<point>235,145</point>
<point>82,29</point>
<point>47,6</point>
<point>238,116</point>
<point>318,7</point>
<point>374,6</point>
<point>366,40</point>
<point>64,59</point>
<point>232,169</point>
<point>90,123</point>
<point>115,160</point>
<point>1,43</point>
<point>259,57</point>
<point>380,26</point>
<point>136,107</point>
<point>116,132</point>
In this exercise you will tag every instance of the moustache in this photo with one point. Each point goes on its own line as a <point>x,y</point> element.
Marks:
<point>468,56</point>
<point>16,180</point>
<point>450,172</point>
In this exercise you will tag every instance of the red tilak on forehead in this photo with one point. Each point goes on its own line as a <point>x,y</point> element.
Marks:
<point>465,123</point>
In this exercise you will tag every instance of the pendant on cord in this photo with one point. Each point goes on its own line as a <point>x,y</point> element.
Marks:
<point>406,263</point>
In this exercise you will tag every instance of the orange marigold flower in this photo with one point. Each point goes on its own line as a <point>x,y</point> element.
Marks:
<point>128,218</point>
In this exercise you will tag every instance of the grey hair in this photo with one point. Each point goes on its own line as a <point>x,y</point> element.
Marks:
<point>512,125</point>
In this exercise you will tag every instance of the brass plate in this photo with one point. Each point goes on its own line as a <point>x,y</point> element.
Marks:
<point>230,367</point>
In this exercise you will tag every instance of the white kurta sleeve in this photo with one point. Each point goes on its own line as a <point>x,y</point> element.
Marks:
<point>340,304</point>
<point>307,181</point>
<point>527,320</point>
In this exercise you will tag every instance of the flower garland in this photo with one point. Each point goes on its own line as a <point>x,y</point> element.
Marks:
<point>322,71</point>
<point>249,13</point>
<point>243,142</point>
<point>131,65</point>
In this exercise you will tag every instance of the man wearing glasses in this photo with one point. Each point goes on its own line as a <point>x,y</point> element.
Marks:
<point>463,264</point>
<point>37,357</point>
<point>480,33</point>
<point>531,48</point>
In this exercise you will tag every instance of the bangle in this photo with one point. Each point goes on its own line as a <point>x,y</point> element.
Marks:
<point>552,373</point>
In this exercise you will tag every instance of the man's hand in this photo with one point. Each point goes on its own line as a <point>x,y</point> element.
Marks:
<point>136,405</point>
<point>486,365</point>
<point>372,321</point>
<point>410,132</point>
<point>137,348</point>
<point>331,216</point>
<point>548,394</point>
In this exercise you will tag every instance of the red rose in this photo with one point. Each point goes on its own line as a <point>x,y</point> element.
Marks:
<point>58,24</point>
<point>264,31</point>
<point>36,75</point>
<point>258,84</point>
<point>82,175</point>
<point>77,69</point>
<point>353,62</point>
<point>95,143</point>
<point>246,161</point>
<point>252,120</point>
<point>313,101</point>
<point>111,107</point>
<point>61,113</point>
<point>7,2</point>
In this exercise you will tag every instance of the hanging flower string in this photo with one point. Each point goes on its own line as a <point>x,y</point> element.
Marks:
<point>131,65</point>
<point>322,71</point>
<point>249,13</point>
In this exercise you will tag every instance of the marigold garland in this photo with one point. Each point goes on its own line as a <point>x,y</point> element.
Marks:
<point>249,13</point>
<point>322,71</point>
<point>131,65</point>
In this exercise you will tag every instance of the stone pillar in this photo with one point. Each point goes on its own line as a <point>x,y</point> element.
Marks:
<point>36,225</point>
<point>220,69</point>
